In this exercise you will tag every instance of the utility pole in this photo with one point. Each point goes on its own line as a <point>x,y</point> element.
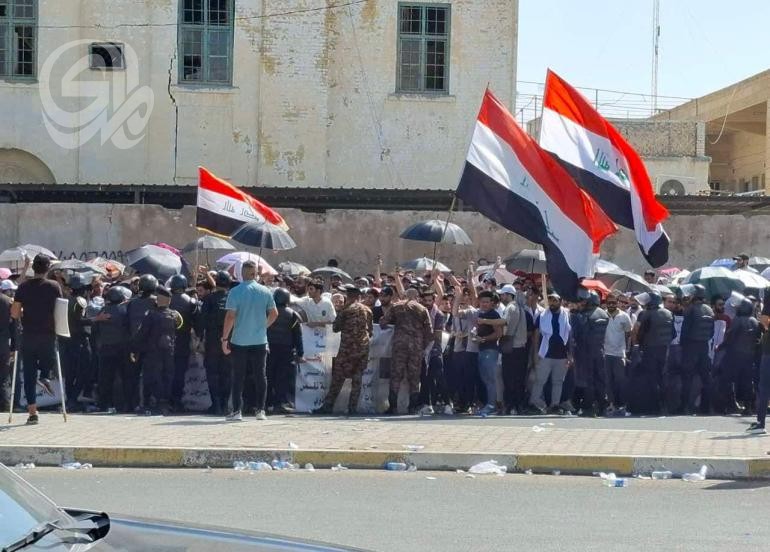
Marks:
<point>655,53</point>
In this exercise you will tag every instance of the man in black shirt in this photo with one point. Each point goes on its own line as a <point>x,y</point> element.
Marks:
<point>763,391</point>
<point>34,305</point>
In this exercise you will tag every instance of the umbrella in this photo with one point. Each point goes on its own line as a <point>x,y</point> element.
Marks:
<point>721,281</point>
<point>725,262</point>
<point>603,266</point>
<point>4,273</point>
<point>424,264</point>
<point>17,255</point>
<point>155,260</point>
<point>113,268</point>
<point>168,247</point>
<point>531,261</point>
<point>329,271</point>
<point>663,290</point>
<point>208,243</point>
<point>752,279</point>
<point>32,250</point>
<point>437,231</point>
<point>264,235</point>
<point>669,272</point>
<point>680,277</point>
<point>595,285</point>
<point>236,259</point>
<point>628,281</point>
<point>759,263</point>
<point>291,268</point>
<point>75,265</point>
<point>501,275</point>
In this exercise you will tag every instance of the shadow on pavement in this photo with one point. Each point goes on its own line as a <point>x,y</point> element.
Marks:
<point>738,436</point>
<point>738,485</point>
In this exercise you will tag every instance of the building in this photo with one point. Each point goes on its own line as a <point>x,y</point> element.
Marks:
<point>736,121</point>
<point>306,94</point>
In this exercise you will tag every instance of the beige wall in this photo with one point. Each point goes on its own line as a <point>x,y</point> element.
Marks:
<point>355,237</point>
<point>313,99</point>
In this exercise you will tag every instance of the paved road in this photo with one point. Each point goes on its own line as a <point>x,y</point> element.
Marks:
<point>388,511</point>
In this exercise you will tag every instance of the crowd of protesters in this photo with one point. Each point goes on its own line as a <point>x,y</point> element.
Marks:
<point>462,343</point>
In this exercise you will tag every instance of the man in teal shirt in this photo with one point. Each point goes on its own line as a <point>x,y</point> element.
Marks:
<point>250,311</point>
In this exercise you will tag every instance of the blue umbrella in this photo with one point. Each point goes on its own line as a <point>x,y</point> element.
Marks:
<point>437,231</point>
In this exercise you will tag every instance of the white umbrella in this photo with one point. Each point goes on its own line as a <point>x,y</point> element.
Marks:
<point>236,259</point>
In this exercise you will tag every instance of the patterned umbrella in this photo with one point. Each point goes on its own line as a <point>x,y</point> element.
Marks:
<point>721,281</point>
<point>236,259</point>
<point>264,235</point>
<point>75,265</point>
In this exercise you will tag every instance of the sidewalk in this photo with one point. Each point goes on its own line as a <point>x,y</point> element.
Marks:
<point>447,444</point>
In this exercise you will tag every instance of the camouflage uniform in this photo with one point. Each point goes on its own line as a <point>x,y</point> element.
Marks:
<point>355,324</point>
<point>412,333</point>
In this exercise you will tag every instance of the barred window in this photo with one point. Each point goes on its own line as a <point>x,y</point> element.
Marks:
<point>423,48</point>
<point>206,41</point>
<point>18,39</point>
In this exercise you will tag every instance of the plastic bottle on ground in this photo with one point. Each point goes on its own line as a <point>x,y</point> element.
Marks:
<point>661,474</point>
<point>396,466</point>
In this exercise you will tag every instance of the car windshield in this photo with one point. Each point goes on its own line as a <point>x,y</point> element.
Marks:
<point>22,508</point>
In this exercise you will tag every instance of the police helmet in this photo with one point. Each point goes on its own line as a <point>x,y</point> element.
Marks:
<point>116,295</point>
<point>593,299</point>
<point>281,297</point>
<point>583,294</point>
<point>177,282</point>
<point>745,308</point>
<point>222,279</point>
<point>79,281</point>
<point>148,283</point>
<point>699,292</point>
<point>654,299</point>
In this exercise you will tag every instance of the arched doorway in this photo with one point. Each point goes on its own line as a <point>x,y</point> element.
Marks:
<point>21,167</point>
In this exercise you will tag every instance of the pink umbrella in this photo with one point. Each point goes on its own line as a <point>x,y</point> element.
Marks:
<point>5,273</point>
<point>171,248</point>
<point>669,272</point>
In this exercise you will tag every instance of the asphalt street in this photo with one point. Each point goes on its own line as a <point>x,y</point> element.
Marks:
<point>422,511</point>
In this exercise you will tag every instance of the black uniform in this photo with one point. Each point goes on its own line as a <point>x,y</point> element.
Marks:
<point>5,346</point>
<point>76,351</point>
<point>284,338</point>
<point>656,331</point>
<point>697,331</point>
<point>217,364</point>
<point>590,372</point>
<point>187,307</point>
<point>156,338</point>
<point>736,369</point>
<point>136,309</point>
<point>112,347</point>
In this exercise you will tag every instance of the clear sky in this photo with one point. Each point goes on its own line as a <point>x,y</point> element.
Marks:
<point>704,45</point>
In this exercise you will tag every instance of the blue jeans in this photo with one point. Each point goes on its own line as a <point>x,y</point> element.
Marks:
<point>487,368</point>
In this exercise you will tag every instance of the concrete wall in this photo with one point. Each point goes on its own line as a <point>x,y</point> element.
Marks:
<point>313,100</point>
<point>354,237</point>
<point>663,138</point>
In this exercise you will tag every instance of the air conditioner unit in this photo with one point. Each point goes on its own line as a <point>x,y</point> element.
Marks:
<point>669,184</point>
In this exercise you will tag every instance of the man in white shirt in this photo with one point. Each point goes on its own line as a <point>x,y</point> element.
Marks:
<point>319,310</point>
<point>615,346</point>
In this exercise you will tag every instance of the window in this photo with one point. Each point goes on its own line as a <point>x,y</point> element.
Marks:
<point>106,55</point>
<point>423,48</point>
<point>206,41</point>
<point>18,39</point>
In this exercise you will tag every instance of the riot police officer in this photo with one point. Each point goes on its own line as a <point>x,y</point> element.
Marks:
<point>112,344</point>
<point>217,364</point>
<point>735,371</point>
<point>136,309</point>
<point>590,373</point>
<point>284,338</point>
<point>697,331</point>
<point>157,334</point>
<point>76,357</point>
<point>187,307</point>
<point>653,332</point>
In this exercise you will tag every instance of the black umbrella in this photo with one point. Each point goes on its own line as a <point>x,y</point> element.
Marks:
<point>264,235</point>
<point>330,271</point>
<point>437,231</point>
<point>208,243</point>
<point>151,259</point>
<point>531,261</point>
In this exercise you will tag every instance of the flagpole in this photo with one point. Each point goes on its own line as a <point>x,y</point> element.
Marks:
<point>446,227</point>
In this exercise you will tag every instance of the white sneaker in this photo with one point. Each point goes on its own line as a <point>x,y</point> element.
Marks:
<point>261,415</point>
<point>234,417</point>
<point>449,410</point>
<point>112,411</point>
<point>427,410</point>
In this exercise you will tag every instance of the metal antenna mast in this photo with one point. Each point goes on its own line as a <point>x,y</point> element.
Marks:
<point>655,53</point>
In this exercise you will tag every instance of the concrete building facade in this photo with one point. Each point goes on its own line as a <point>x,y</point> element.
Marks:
<point>306,93</point>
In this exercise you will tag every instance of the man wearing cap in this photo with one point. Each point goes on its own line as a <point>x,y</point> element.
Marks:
<point>513,347</point>
<point>742,263</point>
<point>354,323</point>
<point>34,305</point>
<point>649,277</point>
<point>553,327</point>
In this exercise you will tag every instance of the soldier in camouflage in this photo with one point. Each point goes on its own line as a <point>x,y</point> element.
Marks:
<point>354,322</point>
<point>411,335</point>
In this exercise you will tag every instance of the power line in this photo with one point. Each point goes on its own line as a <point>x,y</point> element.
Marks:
<point>176,24</point>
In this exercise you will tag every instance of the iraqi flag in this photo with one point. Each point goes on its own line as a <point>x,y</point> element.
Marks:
<point>509,179</point>
<point>604,164</point>
<point>223,208</point>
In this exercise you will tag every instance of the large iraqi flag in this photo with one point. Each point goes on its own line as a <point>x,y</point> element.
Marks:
<point>223,208</point>
<point>509,179</point>
<point>604,164</point>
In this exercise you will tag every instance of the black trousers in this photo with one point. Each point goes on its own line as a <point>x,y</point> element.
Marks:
<point>437,388</point>
<point>38,354</point>
<point>77,366</point>
<point>5,371</point>
<point>181,363</point>
<point>113,360</point>
<point>157,371</point>
<point>696,363</point>
<point>249,360</point>
<point>763,391</point>
<point>280,374</point>
<point>218,374</point>
<point>595,389</point>
<point>514,365</point>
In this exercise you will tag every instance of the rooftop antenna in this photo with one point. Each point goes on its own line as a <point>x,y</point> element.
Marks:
<point>655,53</point>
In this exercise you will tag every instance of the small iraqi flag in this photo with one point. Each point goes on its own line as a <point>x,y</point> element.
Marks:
<point>223,208</point>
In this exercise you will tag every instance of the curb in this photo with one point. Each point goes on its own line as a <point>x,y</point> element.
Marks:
<point>168,457</point>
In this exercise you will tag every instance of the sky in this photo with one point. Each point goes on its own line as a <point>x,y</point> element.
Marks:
<point>705,45</point>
